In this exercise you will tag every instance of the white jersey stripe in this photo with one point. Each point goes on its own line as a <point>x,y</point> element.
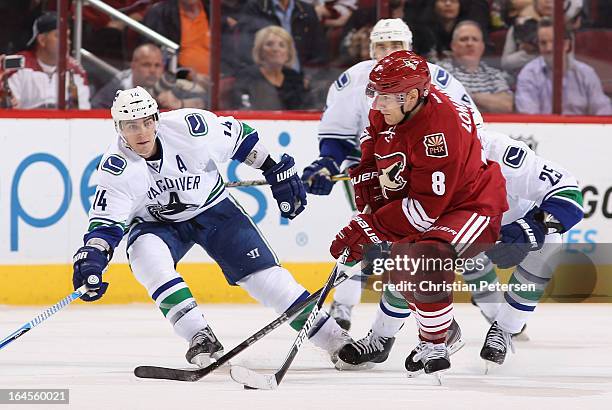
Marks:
<point>472,234</point>
<point>422,212</point>
<point>410,218</point>
<point>463,228</point>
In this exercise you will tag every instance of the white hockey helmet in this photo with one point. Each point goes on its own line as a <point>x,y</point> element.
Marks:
<point>390,30</point>
<point>133,104</point>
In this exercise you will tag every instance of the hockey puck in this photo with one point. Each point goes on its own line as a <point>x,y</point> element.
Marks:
<point>248,387</point>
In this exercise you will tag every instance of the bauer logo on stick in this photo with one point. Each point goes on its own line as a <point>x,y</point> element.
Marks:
<point>435,145</point>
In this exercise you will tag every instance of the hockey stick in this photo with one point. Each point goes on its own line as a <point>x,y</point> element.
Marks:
<point>187,375</point>
<point>256,182</point>
<point>254,380</point>
<point>43,316</point>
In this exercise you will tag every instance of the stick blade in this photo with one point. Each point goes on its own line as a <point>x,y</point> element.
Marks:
<point>253,380</point>
<point>154,372</point>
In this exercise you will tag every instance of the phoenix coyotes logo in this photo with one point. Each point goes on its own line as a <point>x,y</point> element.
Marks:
<point>435,145</point>
<point>390,167</point>
<point>410,63</point>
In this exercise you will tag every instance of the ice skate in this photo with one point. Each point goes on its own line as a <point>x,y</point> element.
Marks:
<point>364,353</point>
<point>428,358</point>
<point>204,348</point>
<point>454,340</point>
<point>496,345</point>
<point>341,314</point>
<point>521,336</point>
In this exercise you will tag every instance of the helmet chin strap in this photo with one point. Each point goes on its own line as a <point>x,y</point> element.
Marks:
<point>407,114</point>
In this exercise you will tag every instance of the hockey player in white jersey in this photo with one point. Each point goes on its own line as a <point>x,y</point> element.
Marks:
<point>344,119</point>
<point>159,184</point>
<point>545,201</point>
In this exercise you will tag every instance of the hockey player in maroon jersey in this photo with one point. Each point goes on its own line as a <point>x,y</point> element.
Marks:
<point>429,190</point>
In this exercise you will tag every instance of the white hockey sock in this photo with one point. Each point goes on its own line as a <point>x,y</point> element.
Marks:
<point>153,267</point>
<point>349,291</point>
<point>391,314</point>
<point>535,272</point>
<point>327,335</point>
<point>386,325</point>
<point>273,287</point>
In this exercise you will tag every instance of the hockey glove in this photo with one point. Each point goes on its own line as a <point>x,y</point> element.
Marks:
<point>316,176</point>
<point>372,253</point>
<point>287,188</point>
<point>89,263</point>
<point>360,231</point>
<point>517,240</point>
<point>367,188</point>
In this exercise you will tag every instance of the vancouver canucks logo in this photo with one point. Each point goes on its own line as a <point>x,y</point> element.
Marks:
<point>390,167</point>
<point>165,213</point>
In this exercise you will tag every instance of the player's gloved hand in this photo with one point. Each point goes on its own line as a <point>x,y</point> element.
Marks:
<point>89,262</point>
<point>287,188</point>
<point>373,252</point>
<point>360,231</point>
<point>367,188</point>
<point>517,240</point>
<point>317,176</point>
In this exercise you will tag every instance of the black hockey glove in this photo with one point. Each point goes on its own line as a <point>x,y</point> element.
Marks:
<point>517,240</point>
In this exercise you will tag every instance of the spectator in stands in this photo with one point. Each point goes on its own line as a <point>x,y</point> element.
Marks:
<point>35,86</point>
<point>439,17</point>
<point>582,91</point>
<point>147,71</point>
<point>271,84</point>
<point>299,19</point>
<point>521,39</point>
<point>186,23</point>
<point>487,85</point>
<point>7,100</point>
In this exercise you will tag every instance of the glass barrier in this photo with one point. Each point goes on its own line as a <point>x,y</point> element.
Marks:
<point>286,54</point>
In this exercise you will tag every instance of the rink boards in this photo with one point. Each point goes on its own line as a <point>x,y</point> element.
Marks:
<point>48,181</point>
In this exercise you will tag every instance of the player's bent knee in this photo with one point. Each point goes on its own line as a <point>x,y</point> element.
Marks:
<point>274,287</point>
<point>151,260</point>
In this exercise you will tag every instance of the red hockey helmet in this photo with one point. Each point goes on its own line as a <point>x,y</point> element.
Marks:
<point>398,73</point>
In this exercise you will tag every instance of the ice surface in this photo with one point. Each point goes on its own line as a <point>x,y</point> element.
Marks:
<point>92,350</point>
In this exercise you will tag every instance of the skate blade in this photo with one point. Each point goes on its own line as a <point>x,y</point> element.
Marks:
<point>344,366</point>
<point>490,367</point>
<point>521,337</point>
<point>437,376</point>
<point>455,347</point>
<point>412,375</point>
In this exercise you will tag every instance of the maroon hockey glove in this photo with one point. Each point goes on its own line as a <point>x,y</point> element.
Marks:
<point>367,188</point>
<point>360,231</point>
